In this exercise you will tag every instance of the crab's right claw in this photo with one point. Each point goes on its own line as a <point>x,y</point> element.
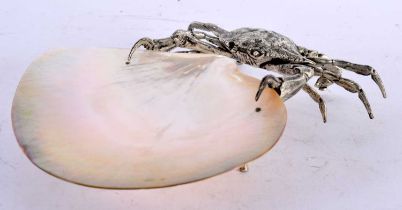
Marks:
<point>271,82</point>
<point>260,89</point>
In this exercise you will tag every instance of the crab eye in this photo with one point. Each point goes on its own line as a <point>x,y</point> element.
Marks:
<point>231,45</point>
<point>255,53</point>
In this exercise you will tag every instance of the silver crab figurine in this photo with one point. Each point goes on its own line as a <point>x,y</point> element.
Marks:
<point>271,51</point>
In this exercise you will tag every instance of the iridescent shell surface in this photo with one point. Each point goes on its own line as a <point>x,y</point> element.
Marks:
<point>166,119</point>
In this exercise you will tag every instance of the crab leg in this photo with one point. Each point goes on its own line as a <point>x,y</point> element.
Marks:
<point>164,45</point>
<point>317,98</point>
<point>216,30</point>
<point>286,87</point>
<point>357,68</point>
<point>354,87</point>
<point>289,71</point>
<point>180,38</point>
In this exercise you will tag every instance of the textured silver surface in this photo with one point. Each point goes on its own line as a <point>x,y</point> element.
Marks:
<point>272,51</point>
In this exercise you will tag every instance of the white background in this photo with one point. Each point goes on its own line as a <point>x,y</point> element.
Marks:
<point>349,163</point>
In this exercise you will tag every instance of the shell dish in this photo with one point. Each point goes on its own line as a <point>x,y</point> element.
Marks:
<point>166,119</point>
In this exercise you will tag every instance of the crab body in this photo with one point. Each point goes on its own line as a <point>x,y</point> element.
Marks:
<point>259,47</point>
<point>271,51</point>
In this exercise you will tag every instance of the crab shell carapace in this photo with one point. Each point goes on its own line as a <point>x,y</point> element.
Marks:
<point>166,119</point>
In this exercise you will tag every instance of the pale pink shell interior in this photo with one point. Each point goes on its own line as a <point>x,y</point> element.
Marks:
<point>166,119</point>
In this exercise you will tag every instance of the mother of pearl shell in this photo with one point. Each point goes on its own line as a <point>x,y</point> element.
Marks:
<point>166,119</point>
